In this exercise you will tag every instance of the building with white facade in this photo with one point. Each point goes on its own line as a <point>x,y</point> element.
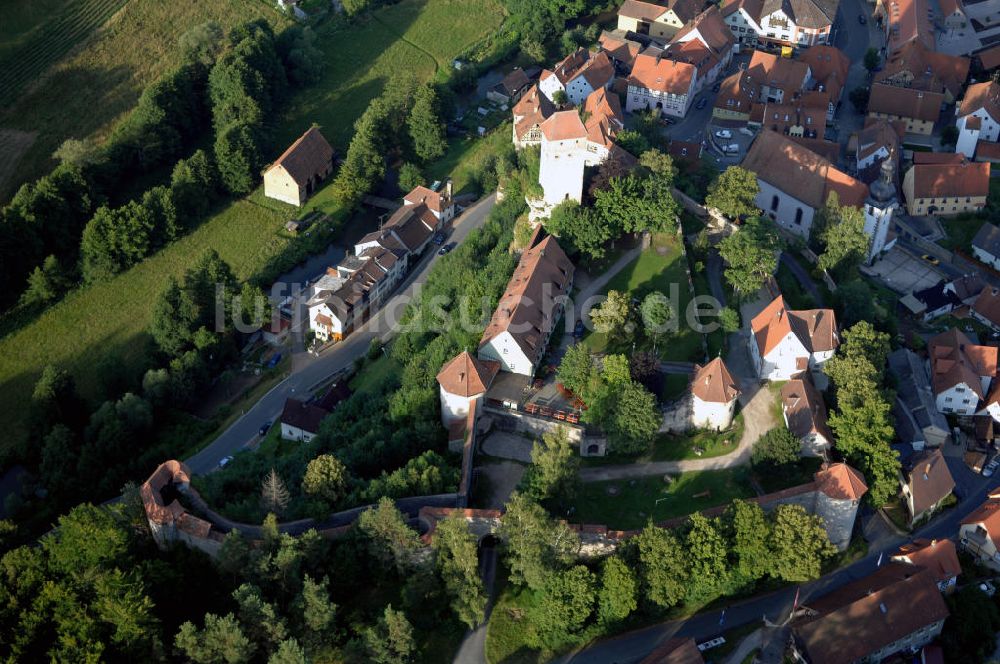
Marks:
<point>926,484</point>
<point>986,245</point>
<point>879,140</point>
<point>657,20</point>
<point>578,75</point>
<point>714,392</point>
<point>799,23</point>
<point>978,117</point>
<point>568,146</point>
<point>661,84</point>
<point>461,381</point>
<point>979,532</point>
<point>519,331</point>
<point>880,206</point>
<point>795,182</point>
<point>531,110</point>
<point>805,415</point>
<point>961,372</point>
<point>786,342</point>
<point>895,609</point>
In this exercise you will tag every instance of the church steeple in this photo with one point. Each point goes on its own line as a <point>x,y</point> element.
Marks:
<point>883,190</point>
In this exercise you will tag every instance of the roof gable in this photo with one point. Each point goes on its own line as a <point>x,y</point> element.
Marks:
<point>309,156</point>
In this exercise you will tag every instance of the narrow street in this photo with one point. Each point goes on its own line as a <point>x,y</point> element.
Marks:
<point>313,370</point>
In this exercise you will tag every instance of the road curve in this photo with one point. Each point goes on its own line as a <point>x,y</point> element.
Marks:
<point>313,370</point>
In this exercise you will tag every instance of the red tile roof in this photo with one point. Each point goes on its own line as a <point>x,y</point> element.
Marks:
<point>797,170</point>
<point>804,409</point>
<point>841,482</point>
<point>713,383</point>
<point>905,102</point>
<point>966,179</point>
<point>984,95</point>
<point>660,74</point>
<point>938,556</point>
<point>815,328</point>
<point>929,480</point>
<point>955,360</point>
<point>526,308</point>
<point>866,615</point>
<point>467,376</point>
<point>564,126</point>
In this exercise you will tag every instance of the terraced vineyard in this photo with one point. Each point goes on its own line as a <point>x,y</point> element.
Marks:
<point>50,41</point>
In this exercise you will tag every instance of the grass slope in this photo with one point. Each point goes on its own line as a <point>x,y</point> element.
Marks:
<point>107,321</point>
<point>635,501</point>
<point>87,62</point>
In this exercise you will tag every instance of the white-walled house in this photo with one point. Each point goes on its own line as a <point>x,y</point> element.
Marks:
<point>658,20</point>
<point>743,19</point>
<point>795,182</point>
<point>786,342</point>
<point>461,381</point>
<point>979,532</point>
<point>961,372</point>
<point>519,331</point>
<point>986,245</point>
<point>714,392</point>
<point>661,84</point>
<point>568,146</point>
<point>978,117</point>
<point>805,415</point>
<point>578,75</point>
<point>297,173</point>
<point>926,483</point>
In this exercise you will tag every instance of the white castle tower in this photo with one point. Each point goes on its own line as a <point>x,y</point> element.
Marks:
<point>879,208</point>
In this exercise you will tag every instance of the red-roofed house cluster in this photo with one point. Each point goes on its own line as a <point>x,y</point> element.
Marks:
<point>346,295</point>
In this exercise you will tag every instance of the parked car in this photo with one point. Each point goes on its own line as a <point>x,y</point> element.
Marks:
<point>701,103</point>
<point>991,467</point>
<point>446,248</point>
<point>988,588</point>
<point>438,238</point>
<point>225,460</point>
<point>732,148</point>
<point>723,133</point>
<point>930,259</point>
<point>862,19</point>
<point>265,427</point>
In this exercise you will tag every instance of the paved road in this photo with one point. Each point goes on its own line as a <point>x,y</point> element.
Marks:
<point>310,370</point>
<point>805,279</point>
<point>634,646</point>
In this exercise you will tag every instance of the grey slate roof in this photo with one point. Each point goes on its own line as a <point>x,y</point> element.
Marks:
<point>988,239</point>
<point>805,13</point>
<point>915,409</point>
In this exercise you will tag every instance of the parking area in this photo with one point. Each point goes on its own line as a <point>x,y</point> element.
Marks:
<point>905,273</point>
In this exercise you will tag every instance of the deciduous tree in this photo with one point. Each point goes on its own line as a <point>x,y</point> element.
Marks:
<point>799,544</point>
<point>777,447</point>
<point>390,540</point>
<point>734,192</point>
<point>612,314</point>
<point>616,597</point>
<point>221,640</point>
<point>554,464</point>
<point>535,544</point>
<point>564,605</point>
<point>751,255</point>
<point>457,561</point>
<point>749,532</point>
<point>636,420</point>
<point>326,477</point>
<point>663,565</point>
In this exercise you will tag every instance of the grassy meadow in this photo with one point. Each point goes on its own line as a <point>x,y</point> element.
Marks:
<point>658,268</point>
<point>106,322</point>
<point>72,69</point>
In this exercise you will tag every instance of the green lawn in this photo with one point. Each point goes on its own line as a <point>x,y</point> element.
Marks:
<point>413,37</point>
<point>107,321</point>
<point>374,373</point>
<point>960,230</point>
<point>635,501</point>
<point>674,385</point>
<point>659,268</point>
<point>669,447</point>
<point>791,475</point>
<point>74,69</point>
